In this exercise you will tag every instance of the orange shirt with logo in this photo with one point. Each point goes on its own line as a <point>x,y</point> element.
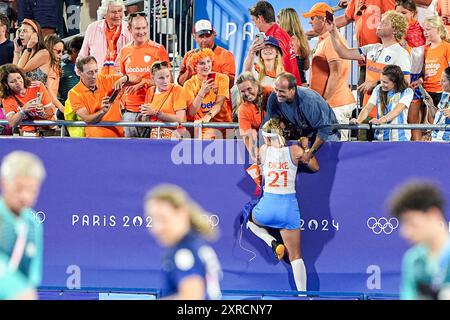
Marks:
<point>223,63</point>
<point>367,14</point>
<point>192,87</point>
<point>170,101</point>
<point>138,60</point>
<point>320,72</point>
<point>436,60</point>
<point>250,117</point>
<point>82,97</point>
<point>11,106</point>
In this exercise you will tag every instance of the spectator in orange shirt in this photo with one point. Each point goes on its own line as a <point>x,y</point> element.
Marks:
<point>205,35</point>
<point>329,73</point>
<point>437,56</point>
<point>251,110</point>
<point>443,9</point>
<point>24,100</point>
<point>164,102</point>
<point>90,97</point>
<point>136,59</point>
<point>207,92</point>
<point>269,61</point>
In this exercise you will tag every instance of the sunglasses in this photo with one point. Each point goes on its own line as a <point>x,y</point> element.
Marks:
<point>135,14</point>
<point>58,51</point>
<point>158,65</point>
<point>361,9</point>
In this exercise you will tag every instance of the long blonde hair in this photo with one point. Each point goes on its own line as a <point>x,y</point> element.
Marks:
<point>273,126</point>
<point>436,22</point>
<point>279,68</point>
<point>289,21</point>
<point>179,199</point>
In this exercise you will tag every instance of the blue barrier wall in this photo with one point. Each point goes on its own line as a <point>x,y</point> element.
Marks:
<point>94,223</point>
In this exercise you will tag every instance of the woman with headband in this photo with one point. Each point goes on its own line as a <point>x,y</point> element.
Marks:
<point>278,207</point>
<point>30,52</point>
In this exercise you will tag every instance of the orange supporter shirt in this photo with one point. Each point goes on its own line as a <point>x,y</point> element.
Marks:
<point>443,9</point>
<point>192,87</point>
<point>223,61</point>
<point>249,116</point>
<point>367,14</point>
<point>11,106</point>
<point>170,101</point>
<point>436,60</point>
<point>82,97</point>
<point>138,60</point>
<point>320,73</point>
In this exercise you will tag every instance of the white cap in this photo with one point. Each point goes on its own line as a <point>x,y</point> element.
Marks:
<point>203,27</point>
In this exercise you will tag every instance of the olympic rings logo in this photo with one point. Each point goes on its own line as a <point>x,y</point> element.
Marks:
<point>39,216</point>
<point>382,225</point>
<point>212,219</point>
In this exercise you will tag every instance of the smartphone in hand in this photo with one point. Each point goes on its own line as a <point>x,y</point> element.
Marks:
<point>212,76</point>
<point>113,96</point>
<point>260,36</point>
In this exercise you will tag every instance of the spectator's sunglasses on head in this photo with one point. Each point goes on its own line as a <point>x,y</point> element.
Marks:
<point>135,14</point>
<point>158,65</point>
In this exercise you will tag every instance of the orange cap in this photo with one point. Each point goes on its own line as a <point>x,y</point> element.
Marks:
<point>318,10</point>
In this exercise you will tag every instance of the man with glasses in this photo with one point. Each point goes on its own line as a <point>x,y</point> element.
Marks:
<point>105,38</point>
<point>90,98</point>
<point>136,59</point>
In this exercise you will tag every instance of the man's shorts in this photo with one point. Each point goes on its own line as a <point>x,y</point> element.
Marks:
<point>43,11</point>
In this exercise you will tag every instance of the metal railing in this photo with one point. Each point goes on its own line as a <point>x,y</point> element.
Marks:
<point>220,125</point>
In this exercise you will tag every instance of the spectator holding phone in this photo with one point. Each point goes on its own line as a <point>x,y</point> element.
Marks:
<point>56,47</point>
<point>165,101</point>
<point>24,100</point>
<point>269,60</point>
<point>30,52</point>
<point>207,92</point>
<point>329,73</point>
<point>90,98</point>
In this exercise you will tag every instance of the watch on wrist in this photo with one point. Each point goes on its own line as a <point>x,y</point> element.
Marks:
<point>29,49</point>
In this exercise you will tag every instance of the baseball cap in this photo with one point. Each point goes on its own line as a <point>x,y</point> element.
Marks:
<point>318,10</point>
<point>273,42</point>
<point>203,27</point>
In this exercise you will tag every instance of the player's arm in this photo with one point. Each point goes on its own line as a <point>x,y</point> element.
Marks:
<point>296,154</point>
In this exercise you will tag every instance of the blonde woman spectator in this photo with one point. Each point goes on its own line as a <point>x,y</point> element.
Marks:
<point>206,93</point>
<point>165,101</point>
<point>437,56</point>
<point>289,21</point>
<point>30,52</point>
<point>269,61</point>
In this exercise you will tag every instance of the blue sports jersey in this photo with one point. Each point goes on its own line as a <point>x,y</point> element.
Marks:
<point>21,239</point>
<point>423,275</point>
<point>192,256</point>
<point>440,118</point>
